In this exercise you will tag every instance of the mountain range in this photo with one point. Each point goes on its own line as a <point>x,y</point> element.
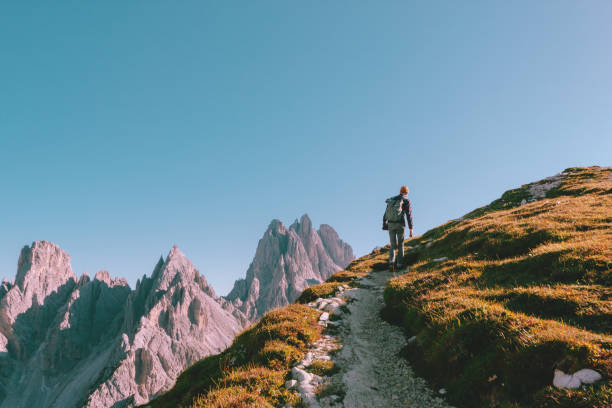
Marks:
<point>80,342</point>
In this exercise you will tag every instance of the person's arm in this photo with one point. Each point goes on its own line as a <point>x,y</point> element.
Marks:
<point>408,212</point>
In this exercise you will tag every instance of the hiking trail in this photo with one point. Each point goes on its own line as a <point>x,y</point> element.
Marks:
<point>365,351</point>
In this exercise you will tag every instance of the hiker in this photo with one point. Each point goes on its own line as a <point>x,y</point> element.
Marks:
<point>393,220</point>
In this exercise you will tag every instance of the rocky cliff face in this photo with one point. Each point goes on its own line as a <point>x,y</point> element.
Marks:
<point>287,261</point>
<point>96,343</point>
<point>339,251</point>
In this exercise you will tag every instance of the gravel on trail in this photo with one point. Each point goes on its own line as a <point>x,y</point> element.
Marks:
<point>371,372</point>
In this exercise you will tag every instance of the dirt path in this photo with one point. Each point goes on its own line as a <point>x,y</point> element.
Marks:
<point>371,373</point>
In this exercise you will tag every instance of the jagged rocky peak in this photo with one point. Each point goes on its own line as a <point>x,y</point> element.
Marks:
<point>175,267</point>
<point>322,260</point>
<point>305,222</point>
<point>286,262</point>
<point>303,228</point>
<point>42,268</point>
<point>104,276</point>
<point>84,279</point>
<point>44,278</point>
<point>43,284</point>
<point>172,320</point>
<point>276,228</point>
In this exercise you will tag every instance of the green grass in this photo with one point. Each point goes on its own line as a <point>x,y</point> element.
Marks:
<point>323,368</point>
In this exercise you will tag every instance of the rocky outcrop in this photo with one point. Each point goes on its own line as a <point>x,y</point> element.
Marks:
<point>286,262</point>
<point>96,343</point>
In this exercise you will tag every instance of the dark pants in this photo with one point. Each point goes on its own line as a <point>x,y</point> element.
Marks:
<point>396,235</point>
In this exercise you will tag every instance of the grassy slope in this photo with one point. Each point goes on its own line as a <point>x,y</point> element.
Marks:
<point>525,288</point>
<point>250,373</point>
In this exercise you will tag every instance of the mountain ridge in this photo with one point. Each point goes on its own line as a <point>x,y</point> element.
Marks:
<point>95,342</point>
<point>63,335</point>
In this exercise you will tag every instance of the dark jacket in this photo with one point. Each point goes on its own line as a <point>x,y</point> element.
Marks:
<point>406,209</point>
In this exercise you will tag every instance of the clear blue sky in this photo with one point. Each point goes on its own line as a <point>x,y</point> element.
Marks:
<point>127,127</point>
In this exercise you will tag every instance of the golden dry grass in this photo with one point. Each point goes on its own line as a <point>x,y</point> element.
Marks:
<point>526,288</point>
<point>251,372</point>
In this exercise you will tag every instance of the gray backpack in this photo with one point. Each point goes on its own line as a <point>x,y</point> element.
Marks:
<point>395,210</point>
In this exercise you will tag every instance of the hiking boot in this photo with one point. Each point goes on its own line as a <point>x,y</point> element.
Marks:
<point>392,267</point>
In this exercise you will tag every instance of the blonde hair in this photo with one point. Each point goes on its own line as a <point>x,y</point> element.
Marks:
<point>404,190</point>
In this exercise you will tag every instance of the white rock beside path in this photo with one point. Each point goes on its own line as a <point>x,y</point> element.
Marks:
<point>307,383</point>
<point>571,381</point>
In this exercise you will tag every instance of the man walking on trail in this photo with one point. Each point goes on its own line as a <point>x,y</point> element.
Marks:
<point>393,220</point>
